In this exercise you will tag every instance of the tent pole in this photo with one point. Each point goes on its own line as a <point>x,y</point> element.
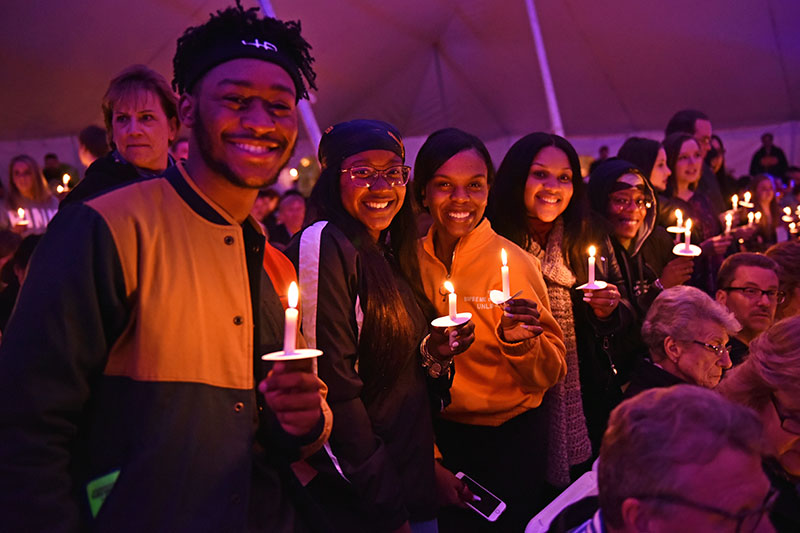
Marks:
<point>547,80</point>
<point>303,106</point>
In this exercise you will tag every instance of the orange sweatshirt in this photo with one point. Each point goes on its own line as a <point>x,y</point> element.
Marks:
<point>494,380</point>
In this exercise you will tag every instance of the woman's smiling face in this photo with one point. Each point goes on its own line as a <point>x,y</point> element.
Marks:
<point>548,189</point>
<point>457,193</point>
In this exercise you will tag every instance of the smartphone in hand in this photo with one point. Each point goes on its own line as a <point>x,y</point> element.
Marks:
<point>485,503</point>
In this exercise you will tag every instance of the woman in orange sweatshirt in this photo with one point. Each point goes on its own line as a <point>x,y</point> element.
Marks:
<point>493,430</point>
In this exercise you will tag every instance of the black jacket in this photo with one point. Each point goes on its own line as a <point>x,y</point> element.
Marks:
<point>376,472</point>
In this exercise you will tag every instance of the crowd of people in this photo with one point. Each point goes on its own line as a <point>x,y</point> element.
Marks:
<point>511,324</point>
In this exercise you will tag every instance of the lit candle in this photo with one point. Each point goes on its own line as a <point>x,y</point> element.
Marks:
<point>798,210</point>
<point>787,211</point>
<point>592,251</point>
<point>728,223</point>
<point>679,216</point>
<point>747,197</point>
<point>758,217</point>
<point>451,299</point>
<point>504,274</point>
<point>65,179</point>
<point>290,329</point>
<point>750,217</point>
<point>60,189</point>
<point>21,220</point>
<point>792,228</point>
<point>687,233</point>
<point>735,201</point>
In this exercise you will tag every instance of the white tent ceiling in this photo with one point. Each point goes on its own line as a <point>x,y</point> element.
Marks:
<point>618,66</point>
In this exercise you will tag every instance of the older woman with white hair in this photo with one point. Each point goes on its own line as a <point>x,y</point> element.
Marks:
<point>769,382</point>
<point>686,333</point>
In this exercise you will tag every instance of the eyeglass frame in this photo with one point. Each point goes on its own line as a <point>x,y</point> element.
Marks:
<point>766,506</point>
<point>783,418</point>
<point>720,349</point>
<point>376,173</point>
<point>780,296</point>
<point>621,204</point>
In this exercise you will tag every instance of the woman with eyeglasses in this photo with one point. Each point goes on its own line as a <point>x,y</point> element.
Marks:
<point>686,332</point>
<point>623,198</point>
<point>768,381</point>
<point>519,351</point>
<point>363,306</point>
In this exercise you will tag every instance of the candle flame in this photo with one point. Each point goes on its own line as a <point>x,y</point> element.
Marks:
<point>729,218</point>
<point>688,224</point>
<point>792,226</point>
<point>21,213</point>
<point>747,197</point>
<point>678,214</point>
<point>592,251</point>
<point>449,287</point>
<point>787,210</point>
<point>503,256</point>
<point>294,295</point>
<point>65,179</point>
<point>758,216</point>
<point>60,189</point>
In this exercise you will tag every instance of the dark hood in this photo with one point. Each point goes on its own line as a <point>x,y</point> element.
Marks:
<point>601,182</point>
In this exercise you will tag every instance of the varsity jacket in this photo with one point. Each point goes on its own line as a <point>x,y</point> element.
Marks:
<point>128,372</point>
<point>494,380</point>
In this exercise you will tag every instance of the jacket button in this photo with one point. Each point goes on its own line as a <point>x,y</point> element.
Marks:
<point>238,320</point>
<point>228,240</point>
<point>238,406</point>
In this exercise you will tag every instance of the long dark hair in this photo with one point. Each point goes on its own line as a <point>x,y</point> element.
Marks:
<point>672,145</point>
<point>641,152</point>
<point>438,148</point>
<point>388,336</point>
<point>506,208</point>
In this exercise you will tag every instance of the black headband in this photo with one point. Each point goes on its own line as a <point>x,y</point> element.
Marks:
<point>348,138</point>
<point>232,48</point>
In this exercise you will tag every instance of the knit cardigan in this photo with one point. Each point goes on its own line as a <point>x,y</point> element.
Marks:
<point>568,438</point>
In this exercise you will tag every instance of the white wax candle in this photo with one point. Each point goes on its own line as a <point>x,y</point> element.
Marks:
<point>451,299</point>
<point>290,329</point>
<point>758,217</point>
<point>679,217</point>
<point>728,223</point>
<point>735,201</point>
<point>592,251</point>
<point>750,217</point>
<point>687,233</point>
<point>504,274</point>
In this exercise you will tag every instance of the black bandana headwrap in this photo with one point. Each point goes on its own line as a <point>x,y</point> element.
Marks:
<point>244,46</point>
<point>348,138</point>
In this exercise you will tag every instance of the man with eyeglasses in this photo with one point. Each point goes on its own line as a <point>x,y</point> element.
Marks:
<point>749,288</point>
<point>666,465</point>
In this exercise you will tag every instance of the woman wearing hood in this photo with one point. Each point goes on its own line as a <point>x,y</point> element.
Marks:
<point>624,199</point>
